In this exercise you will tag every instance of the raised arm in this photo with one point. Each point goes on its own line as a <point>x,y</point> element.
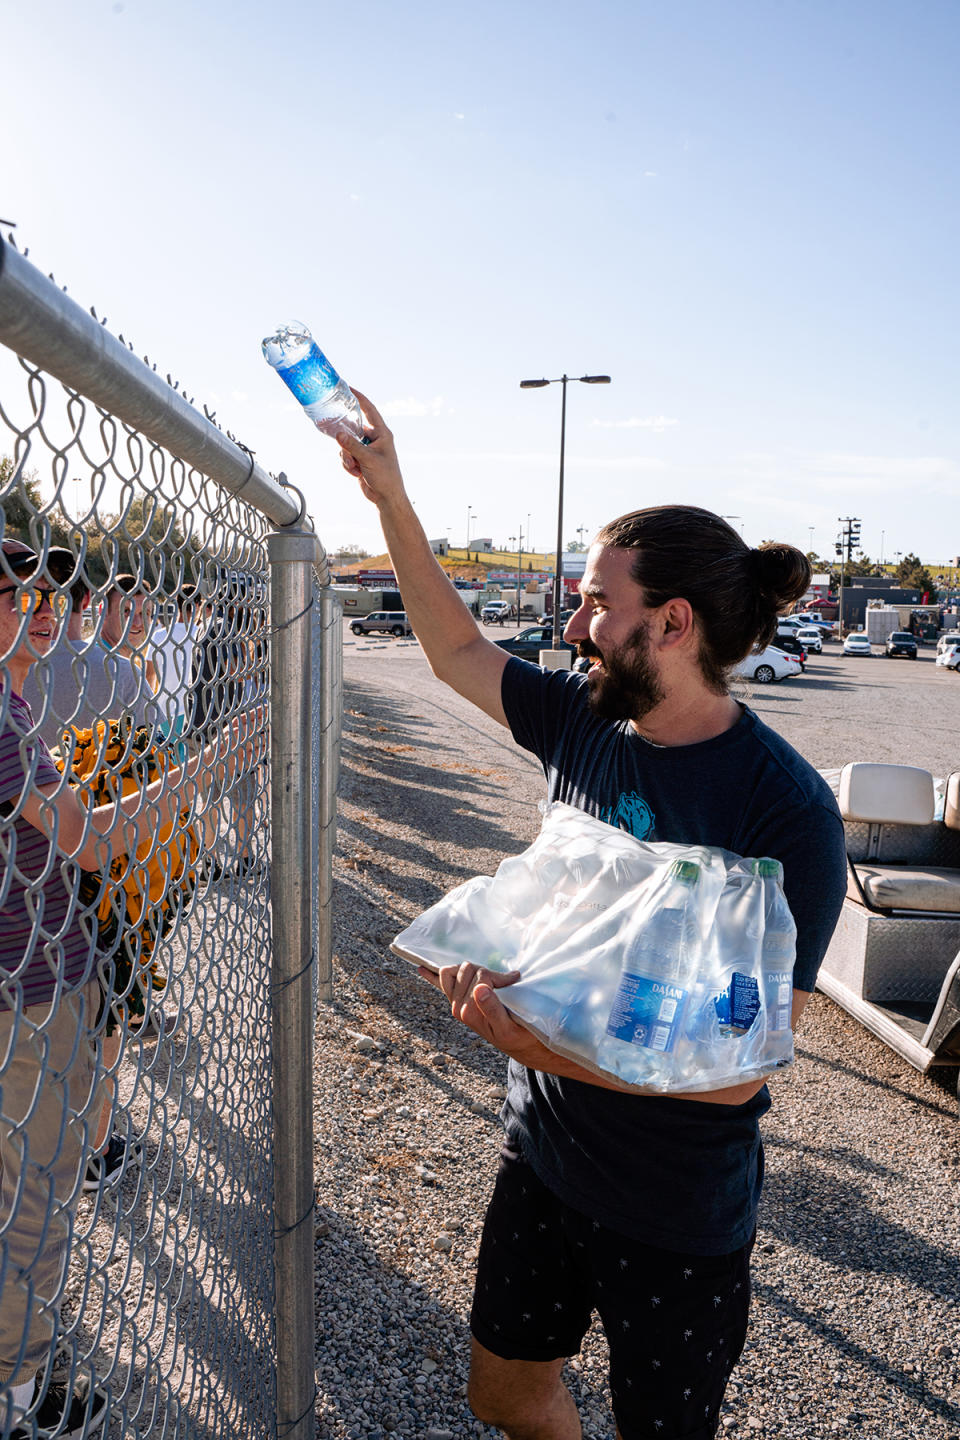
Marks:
<point>458,654</point>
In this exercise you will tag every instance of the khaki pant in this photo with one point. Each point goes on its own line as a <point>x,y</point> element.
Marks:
<point>48,1112</point>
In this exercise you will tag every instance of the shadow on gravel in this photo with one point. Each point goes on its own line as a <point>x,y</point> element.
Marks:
<point>944,1079</point>
<point>813,1209</point>
<point>834,1337</point>
<point>367,1307</point>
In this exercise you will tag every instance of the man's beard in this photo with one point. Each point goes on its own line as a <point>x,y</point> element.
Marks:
<point>628,687</point>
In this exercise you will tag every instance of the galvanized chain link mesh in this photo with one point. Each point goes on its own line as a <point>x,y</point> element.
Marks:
<point>135,995</point>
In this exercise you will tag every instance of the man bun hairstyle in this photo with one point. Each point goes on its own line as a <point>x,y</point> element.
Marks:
<point>684,552</point>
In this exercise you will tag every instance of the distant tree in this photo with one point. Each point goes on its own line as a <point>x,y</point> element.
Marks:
<point>914,575</point>
<point>863,565</point>
<point>22,506</point>
<point>576,547</point>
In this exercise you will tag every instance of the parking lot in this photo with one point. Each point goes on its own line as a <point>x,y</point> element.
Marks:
<point>895,711</point>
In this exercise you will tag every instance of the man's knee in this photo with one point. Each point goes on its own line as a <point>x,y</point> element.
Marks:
<point>513,1394</point>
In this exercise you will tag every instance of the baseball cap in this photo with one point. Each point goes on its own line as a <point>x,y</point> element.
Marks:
<point>19,560</point>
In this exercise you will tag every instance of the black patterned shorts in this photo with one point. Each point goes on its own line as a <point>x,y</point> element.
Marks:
<point>675,1323</point>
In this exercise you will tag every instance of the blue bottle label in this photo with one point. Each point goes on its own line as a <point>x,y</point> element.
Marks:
<point>647,1012</point>
<point>311,378</point>
<point>739,1005</point>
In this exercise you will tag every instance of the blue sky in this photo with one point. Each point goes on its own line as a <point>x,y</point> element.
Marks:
<point>746,213</point>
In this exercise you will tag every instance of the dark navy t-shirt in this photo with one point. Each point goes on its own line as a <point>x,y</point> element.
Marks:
<point>678,1174</point>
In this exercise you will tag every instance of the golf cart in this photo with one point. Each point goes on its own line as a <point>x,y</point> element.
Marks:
<point>894,960</point>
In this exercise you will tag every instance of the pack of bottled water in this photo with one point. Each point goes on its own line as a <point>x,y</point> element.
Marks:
<point>667,967</point>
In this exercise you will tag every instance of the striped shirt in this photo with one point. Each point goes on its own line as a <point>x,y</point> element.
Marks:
<point>42,942</point>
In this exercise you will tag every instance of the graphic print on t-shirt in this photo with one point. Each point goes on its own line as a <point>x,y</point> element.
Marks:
<point>631,813</point>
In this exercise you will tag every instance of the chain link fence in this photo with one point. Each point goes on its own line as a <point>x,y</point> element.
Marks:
<point>169,736</point>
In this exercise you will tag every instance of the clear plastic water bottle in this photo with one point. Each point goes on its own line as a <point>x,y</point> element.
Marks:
<point>647,1013</point>
<point>306,371</point>
<point>779,951</point>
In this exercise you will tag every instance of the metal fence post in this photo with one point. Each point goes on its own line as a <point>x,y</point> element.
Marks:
<point>292,557</point>
<point>331,700</point>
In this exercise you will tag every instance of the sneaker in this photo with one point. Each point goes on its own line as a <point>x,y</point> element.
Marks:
<point>68,1414</point>
<point>106,1169</point>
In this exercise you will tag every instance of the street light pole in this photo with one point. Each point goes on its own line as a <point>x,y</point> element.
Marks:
<point>563,380</point>
<point>558,577</point>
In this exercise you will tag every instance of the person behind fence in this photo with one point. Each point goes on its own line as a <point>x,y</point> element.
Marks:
<point>642,1207</point>
<point>80,682</point>
<point>50,996</point>
<point>174,647</point>
<point>74,685</point>
<point>222,675</point>
<point>125,628</point>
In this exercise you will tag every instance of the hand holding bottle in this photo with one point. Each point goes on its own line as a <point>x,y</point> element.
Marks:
<point>372,460</point>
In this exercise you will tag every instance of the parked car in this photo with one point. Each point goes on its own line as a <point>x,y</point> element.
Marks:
<point>901,642</point>
<point>949,637</point>
<point>950,657</point>
<point>765,666</point>
<point>791,645</point>
<point>811,638</point>
<point>528,643</point>
<point>857,643</point>
<point>390,622</point>
<point>496,611</point>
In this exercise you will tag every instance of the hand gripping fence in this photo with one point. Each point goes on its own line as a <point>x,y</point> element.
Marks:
<point>170,700</point>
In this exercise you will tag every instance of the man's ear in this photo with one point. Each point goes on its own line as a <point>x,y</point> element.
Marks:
<point>677,622</point>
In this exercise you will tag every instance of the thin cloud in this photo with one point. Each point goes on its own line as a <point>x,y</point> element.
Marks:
<point>637,422</point>
<point>413,408</point>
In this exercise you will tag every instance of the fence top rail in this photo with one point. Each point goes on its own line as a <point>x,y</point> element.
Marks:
<point>39,322</point>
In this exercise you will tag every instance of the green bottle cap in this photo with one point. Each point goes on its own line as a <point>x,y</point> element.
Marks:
<point>771,869</point>
<point>687,871</point>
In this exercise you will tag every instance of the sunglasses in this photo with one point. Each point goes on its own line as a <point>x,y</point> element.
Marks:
<point>31,597</point>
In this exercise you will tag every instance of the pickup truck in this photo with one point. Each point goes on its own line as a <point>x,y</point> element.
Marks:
<point>495,612</point>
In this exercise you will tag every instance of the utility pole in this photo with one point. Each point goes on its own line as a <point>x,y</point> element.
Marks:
<point>847,541</point>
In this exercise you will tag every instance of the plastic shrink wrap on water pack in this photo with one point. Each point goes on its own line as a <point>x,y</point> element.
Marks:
<point>667,967</point>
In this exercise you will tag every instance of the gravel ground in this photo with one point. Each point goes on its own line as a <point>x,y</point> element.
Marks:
<point>855,1320</point>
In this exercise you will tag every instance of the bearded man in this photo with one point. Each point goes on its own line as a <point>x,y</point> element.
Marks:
<point>641,1207</point>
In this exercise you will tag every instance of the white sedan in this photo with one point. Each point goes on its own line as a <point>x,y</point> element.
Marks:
<point>767,665</point>
<point>857,644</point>
<point>950,657</point>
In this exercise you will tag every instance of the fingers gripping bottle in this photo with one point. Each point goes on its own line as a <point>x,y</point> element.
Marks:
<point>648,1008</point>
<point>306,371</point>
